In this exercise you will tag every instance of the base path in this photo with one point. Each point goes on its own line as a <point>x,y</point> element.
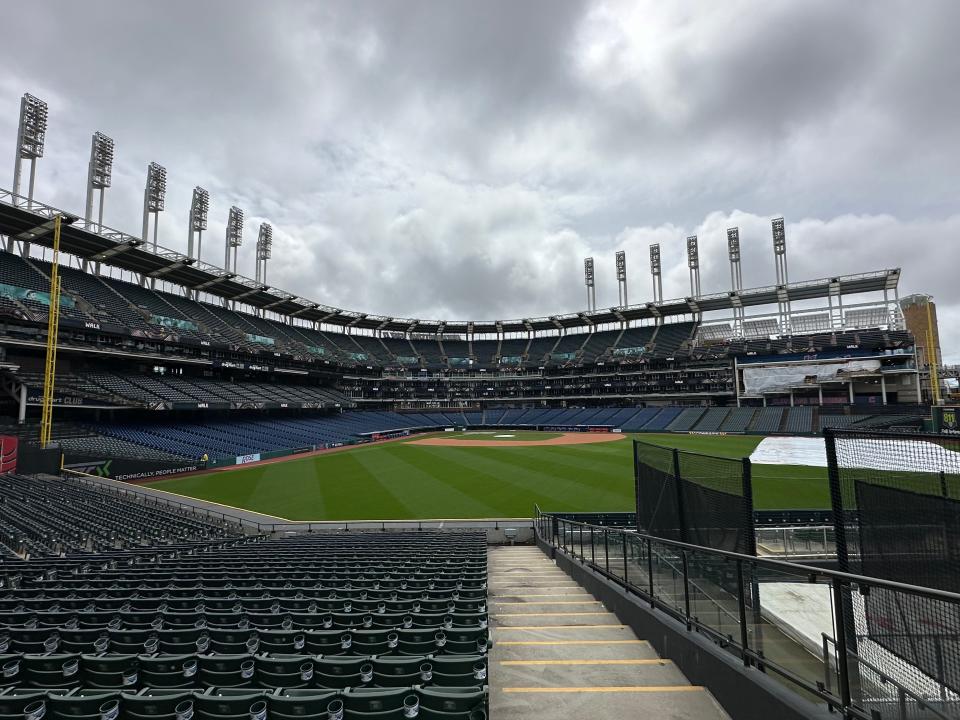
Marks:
<point>570,438</point>
<point>558,653</point>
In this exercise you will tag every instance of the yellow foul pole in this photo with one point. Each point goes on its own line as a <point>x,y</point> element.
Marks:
<point>53,328</point>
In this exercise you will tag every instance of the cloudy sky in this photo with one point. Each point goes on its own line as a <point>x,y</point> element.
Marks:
<point>452,159</point>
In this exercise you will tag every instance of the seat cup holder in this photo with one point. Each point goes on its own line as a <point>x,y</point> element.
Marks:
<point>184,711</point>
<point>335,710</point>
<point>110,710</point>
<point>35,710</point>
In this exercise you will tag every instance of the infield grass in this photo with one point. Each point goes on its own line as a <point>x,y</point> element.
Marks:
<point>399,480</point>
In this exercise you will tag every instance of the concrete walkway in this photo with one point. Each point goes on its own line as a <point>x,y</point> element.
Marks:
<point>557,652</point>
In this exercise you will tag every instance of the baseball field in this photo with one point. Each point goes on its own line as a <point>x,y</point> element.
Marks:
<point>477,475</point>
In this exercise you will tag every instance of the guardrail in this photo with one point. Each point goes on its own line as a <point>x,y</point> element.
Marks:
<point>722,595</point>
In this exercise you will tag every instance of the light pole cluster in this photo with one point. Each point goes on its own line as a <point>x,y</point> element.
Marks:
<point>31,137</point>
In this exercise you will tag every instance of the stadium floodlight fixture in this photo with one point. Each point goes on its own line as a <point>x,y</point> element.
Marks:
<point>156,187</point>
<point>99,175</point>
<point>31,136</point>
<point>780,250</point>
<point>101,161</point>
<point>265,241</point>
<point>199,207</point>
<point>33,127</point>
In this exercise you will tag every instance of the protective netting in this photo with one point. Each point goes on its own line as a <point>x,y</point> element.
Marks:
<point>896,504</point>
<point>695,498</point>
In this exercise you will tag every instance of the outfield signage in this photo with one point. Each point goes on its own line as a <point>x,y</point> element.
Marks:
<point>251,458</point>
<point>126,469</point>
<point>949,419</point>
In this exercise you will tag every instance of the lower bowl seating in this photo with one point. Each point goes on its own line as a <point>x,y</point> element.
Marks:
<point>332,626</point>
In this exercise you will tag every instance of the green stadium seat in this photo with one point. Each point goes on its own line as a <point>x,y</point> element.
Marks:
<point>290,704</point>
<point>459,670</point>
<point>158,703</point>
<point>87,704</point>
<point>380,703</point>
<point>110,671</point>
<point>51,671</point>
<point>402,670</point>
<point>452,703</point>
<point>342,672</point>
<point>284,671</point>
<point>227,671</point>
<point>227,704</point>
<point>374,642</point>
<point>168,671</point>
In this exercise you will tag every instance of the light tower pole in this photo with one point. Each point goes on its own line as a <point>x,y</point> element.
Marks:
<point>264,251</point>
<point>693,263</point>
<point>199,207</point>
<point>99,177</point>
<point>780,262</point>
<point>589,281</point>
<point>234,238</point>
<point>656,272</point>
<point>736,279</point>
<point>154,195</point>
<point>622,277</point>
<point>31,135</point>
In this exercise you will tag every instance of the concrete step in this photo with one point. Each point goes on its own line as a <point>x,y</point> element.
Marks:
<point>607,672</point>
<point>557,651</point>
<point>681,702</point>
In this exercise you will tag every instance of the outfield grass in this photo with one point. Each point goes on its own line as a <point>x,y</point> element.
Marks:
<point>399,480</point>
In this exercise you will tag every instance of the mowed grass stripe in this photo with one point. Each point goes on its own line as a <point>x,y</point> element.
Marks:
<point>403,481</point>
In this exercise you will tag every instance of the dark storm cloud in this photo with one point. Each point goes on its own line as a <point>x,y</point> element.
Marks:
<point>459,159</point>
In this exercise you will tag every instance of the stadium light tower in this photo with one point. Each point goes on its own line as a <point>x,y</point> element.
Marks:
<point>655,272</point>
<point>234,237</point>
<point>693,263</point>
<point>99,176</point>
<point>736,277</point>
<point>264,249</point>
<point>199,207</point>
<point>622,277</point>
<point>783,279</point>
<point>588,280</point>
<point>154,194</point>
<point>31,134</point>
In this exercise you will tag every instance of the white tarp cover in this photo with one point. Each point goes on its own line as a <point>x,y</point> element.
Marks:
<point>790,451</point>
<point>885,454</point>
<point>759,380</point>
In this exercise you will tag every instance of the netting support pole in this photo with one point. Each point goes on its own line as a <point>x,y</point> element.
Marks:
<point>836,501</point>
<point>681,515</point>
<point>843,603</point>
<point>839,611</point>
<point>750,534</point>
<point>636,484</point>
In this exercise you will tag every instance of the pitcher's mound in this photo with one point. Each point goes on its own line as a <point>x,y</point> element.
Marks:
<point>570,438</point>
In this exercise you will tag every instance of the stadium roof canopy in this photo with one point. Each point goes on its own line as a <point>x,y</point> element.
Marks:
<point>130,253</point>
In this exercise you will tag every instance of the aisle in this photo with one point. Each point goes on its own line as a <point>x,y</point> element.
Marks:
<point>557,651</point>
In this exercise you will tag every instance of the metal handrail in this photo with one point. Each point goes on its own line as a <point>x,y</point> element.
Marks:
<point>550,528</point>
